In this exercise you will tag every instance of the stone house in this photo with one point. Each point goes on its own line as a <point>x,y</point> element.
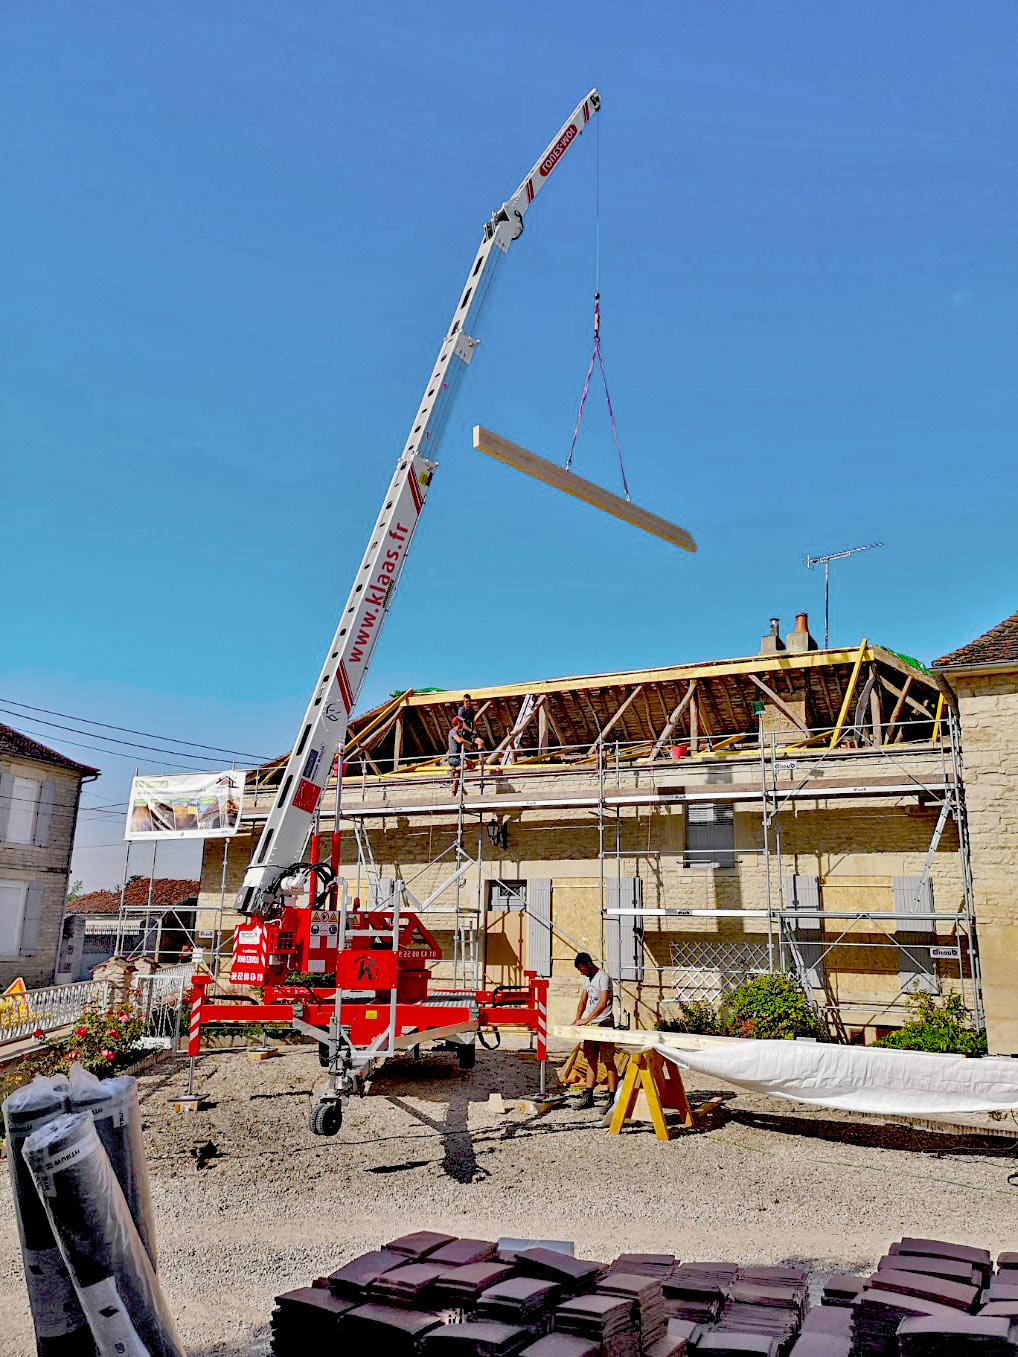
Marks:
<point>690,825</point>
<point>39,794</point>
<point>982,677</point>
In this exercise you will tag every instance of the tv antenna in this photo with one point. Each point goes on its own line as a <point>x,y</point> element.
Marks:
<point>825,561</point>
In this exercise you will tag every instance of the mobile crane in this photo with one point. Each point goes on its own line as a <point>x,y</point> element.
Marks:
<point>380,1001</point>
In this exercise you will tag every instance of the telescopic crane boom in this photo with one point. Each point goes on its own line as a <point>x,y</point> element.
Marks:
<point>323,730</point>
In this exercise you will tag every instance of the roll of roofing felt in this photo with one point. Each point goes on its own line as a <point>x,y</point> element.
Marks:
<point>61,1329</point>
<point>113,1106</point>
<point>98,1239</point>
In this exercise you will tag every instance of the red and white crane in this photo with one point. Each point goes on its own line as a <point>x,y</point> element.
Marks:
<point>323,731</point>
<point>379,1002</point>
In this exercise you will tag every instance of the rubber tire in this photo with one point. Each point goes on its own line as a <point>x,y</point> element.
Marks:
<point>467,1056</point>
<point>323,1054</point>
<point>326,1118</point>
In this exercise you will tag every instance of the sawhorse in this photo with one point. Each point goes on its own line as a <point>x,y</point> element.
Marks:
<point>662,1086</point>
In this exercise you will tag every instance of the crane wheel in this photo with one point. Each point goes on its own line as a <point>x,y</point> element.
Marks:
<point>326,1117</point>
<point>467,1056</point>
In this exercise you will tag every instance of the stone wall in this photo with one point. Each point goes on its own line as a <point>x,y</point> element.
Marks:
<point>988,707</point>
<point>26,862</point>
<point>854,848</point>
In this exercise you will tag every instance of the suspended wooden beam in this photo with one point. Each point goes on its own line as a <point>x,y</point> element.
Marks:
<point>550,474</point>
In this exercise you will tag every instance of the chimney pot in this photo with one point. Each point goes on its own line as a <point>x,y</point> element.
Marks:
<point>775,626</point>
<point>802,622</point>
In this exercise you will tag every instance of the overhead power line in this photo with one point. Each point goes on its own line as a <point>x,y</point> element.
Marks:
<point>128,730</point>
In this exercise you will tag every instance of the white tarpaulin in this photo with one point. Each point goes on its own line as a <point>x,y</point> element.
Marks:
<point>850,1078</point>
<point>188,806</point>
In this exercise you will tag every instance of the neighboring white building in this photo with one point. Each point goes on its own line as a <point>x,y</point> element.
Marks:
<point>39,794</point>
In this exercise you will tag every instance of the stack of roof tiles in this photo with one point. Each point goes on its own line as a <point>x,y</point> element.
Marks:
<point>524,1301</point>
<point>647,1295</point>
<point>610,1321</point>
<point>306,1319</point>
<point>432,1295</point>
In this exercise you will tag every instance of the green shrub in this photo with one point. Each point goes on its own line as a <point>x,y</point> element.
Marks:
<point>697,1016</point>
<point>770,1007</point>
<point>945,1027</point>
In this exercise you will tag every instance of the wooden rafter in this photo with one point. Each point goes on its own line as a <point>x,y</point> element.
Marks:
<point>672,721</point>
<point>619,713</point>
<point>907,698</point>
<point>849,694</point>
<point>644,708</point>
<point>780,703</point>
<point>876,716</point>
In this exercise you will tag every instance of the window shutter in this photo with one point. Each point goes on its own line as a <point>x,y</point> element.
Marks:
<point>803,894</point>
<point>917,971</point>
<point>631,931</point>
<point>44,814</point>
<point>539,925</point>
<point>612,938</point>
<point>6,799</point>
<point>33,919</point>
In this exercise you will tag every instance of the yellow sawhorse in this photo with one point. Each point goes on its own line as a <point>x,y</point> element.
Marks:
<point>662,1086</point>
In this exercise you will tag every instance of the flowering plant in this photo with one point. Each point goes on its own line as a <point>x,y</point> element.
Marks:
<point>101,1040</point>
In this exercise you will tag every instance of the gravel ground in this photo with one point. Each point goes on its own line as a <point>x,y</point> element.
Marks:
<point>765,1181</point>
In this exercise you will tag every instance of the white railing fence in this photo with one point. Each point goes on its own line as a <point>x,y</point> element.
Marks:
<point>47,1009</point>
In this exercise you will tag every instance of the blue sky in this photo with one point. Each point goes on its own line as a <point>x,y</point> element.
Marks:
<point>234,235</point>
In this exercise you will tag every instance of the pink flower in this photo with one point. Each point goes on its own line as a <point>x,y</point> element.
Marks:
<point>107,1055</point>
<point>82,1031</point>
<point>73,1055</point>
<point>123,1017</point>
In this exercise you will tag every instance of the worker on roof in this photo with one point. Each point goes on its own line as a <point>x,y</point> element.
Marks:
<point>595,1010</point>
<point>468,718</point>
<point>458,747</point>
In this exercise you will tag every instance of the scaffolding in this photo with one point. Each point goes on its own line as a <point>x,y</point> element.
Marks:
<point>803,934</point>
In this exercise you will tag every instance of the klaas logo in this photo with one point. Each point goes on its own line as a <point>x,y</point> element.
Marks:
<point>555,154</point>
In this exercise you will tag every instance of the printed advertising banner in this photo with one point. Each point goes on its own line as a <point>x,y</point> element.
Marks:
<point>186,806</point>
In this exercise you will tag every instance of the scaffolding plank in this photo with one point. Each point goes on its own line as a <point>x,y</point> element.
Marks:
<point>556,476</point>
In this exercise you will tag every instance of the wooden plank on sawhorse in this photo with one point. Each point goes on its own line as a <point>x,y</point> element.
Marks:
<point>661,1084</point>
<point>543,470</point>
<point>574,1071</point>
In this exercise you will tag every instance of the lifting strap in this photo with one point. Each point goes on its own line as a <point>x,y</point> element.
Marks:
<point>586,387</point>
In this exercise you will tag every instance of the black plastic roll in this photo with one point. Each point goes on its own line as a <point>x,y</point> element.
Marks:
<point>98,1239</point>
<point>61,1329</point>
<point>113,1106</point>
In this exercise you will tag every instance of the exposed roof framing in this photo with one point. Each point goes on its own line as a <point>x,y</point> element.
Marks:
<point>647,710</point>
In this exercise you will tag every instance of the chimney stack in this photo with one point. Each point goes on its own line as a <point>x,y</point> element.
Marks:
<point>800,640</point>
<point>772,643</point>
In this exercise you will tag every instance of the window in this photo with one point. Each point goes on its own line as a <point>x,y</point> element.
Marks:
<point>12,912</point>
<point>21,820</point>
<point>710,834</point>
<point>507,895</point>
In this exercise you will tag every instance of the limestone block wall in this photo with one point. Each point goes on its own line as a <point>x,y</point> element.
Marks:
<point>853,848</point>
<point>988,707</point>
<point>50,865</point>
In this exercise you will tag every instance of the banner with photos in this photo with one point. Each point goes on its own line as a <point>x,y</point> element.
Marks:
<point>186,806</point>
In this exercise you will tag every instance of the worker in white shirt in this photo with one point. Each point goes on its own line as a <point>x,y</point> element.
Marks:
<point>595,1010</point>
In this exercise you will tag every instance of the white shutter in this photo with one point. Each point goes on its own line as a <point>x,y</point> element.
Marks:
<point>917,971</point>
<point>44,816</point>
<point>612,923</point>
<point>6,797</point>
<point>631,932</point>
<point>539,925</point>
<point>803,895</point>
<point>12,909</point>
<point>33,919</point>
